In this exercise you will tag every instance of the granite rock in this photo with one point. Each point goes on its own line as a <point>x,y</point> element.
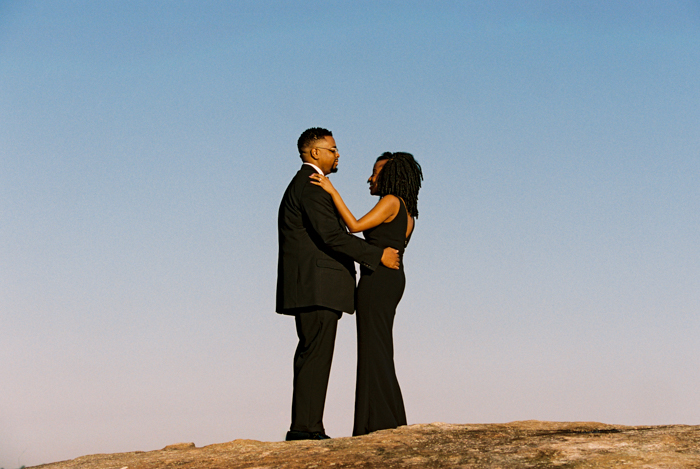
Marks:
<point>527,444</point>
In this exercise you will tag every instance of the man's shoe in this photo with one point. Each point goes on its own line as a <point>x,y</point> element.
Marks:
<point>294,435</point>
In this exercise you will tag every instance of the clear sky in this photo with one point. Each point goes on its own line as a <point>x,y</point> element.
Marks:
<point>144,147</point>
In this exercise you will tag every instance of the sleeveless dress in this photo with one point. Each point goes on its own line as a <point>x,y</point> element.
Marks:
<point>378,401</point>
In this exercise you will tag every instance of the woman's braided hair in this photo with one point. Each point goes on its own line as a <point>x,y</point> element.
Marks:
<point>401,176</point>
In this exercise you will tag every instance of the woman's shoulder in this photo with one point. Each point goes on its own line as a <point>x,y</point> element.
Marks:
<point>395,201</point>
<point>391,199</point>
<point>391,205</point>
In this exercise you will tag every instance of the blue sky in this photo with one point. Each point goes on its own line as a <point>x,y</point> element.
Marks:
<point>144,148</point>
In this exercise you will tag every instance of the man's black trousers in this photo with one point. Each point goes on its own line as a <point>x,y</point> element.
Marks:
<point>312,367</point>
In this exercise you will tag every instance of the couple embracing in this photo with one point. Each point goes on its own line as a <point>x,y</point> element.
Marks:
<point>316,281</point>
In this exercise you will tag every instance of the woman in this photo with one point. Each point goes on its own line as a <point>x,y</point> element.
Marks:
<point>396,179</point>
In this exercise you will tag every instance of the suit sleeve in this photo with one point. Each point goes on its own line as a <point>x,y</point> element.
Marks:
<point>318,206</point>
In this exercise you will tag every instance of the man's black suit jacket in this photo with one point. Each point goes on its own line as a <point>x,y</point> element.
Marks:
<point>316,253</point>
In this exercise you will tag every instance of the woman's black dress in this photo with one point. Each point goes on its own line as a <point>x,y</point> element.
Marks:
<point>378,401</point>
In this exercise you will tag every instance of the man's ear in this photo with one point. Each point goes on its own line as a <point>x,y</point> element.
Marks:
<point>313,152</point>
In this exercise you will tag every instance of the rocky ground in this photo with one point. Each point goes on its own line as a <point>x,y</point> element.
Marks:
<point>529,444</point>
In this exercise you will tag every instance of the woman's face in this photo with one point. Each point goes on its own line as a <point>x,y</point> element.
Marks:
<point>375,174</point>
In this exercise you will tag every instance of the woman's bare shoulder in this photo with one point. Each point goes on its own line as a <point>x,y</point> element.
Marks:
<point>391,199</point>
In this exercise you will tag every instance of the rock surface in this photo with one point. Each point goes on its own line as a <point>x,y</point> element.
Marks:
<point>528,444</point>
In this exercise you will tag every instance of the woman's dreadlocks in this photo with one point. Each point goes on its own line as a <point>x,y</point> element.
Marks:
<point>401,176</point>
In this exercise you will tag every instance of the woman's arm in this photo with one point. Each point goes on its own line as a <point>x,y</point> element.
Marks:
<point>385,210</point>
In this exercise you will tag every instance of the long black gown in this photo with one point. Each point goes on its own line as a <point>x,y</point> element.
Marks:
<point>378,401</point>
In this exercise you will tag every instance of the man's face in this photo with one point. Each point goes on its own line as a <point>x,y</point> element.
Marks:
<point>325,155</point>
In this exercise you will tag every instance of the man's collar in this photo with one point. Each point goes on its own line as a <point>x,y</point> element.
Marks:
<point>318,170</point>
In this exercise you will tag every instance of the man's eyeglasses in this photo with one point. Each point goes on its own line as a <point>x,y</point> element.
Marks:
<point>332,150</point>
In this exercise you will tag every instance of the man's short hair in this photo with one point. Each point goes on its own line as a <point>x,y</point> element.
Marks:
<point>311,135</point>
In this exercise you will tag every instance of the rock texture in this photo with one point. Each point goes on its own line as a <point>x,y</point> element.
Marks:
<point>529,444</point>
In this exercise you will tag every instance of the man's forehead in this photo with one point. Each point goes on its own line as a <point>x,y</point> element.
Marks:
<point>328,139</point>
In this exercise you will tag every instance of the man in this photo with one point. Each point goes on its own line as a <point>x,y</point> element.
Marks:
<point>316,277</point>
